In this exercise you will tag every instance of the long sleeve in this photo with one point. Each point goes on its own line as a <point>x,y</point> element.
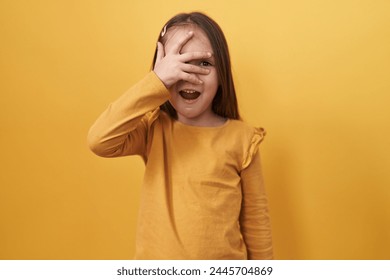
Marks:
<point>122,128</point>
<point>254,217</point>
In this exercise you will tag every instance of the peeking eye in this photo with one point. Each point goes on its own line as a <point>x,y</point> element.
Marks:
<point>205,63</point>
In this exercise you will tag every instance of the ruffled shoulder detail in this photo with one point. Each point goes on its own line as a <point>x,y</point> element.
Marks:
<point>257,137</point>
<point>152,116</point>
<point>150,119</point>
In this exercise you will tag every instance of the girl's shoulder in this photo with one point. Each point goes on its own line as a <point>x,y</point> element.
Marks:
<point>245,129</point>
<point>249,137</point>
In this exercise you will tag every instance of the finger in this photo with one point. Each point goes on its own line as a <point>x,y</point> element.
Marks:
<point>190,68</point>
<point>190,56</point>
<point>180,43</point>
<point>160,52</point>
<point>191,78</point>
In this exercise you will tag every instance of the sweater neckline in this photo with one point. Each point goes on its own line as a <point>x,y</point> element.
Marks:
<point>202,127</point>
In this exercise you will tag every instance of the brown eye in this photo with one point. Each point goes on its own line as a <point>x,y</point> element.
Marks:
<point>205,63</point>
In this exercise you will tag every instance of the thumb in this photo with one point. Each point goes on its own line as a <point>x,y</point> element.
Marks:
<point>160,52</point>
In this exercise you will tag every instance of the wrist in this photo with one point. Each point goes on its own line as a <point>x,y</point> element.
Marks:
<point>162,79</point>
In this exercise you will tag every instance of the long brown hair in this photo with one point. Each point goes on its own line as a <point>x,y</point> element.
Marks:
<point>225,100</point>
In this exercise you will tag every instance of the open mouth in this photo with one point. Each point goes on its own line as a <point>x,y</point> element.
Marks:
<point>189,94</point>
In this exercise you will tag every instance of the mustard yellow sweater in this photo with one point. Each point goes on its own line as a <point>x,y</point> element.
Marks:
<point>203,195</point>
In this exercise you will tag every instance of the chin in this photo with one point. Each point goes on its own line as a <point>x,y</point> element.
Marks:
<point>188,115</point>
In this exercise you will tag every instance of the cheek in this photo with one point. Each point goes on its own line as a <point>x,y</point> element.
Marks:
<point>212,80</point>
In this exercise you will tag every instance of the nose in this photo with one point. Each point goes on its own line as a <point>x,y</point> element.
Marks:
<point>193,80</point>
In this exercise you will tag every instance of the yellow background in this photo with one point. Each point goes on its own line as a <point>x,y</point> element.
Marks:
<point>315,74</point>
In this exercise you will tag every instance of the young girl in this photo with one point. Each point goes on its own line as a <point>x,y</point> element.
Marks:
<point>203,195</point>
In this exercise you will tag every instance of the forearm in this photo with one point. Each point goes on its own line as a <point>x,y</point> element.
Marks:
<point>256,230</point>
<point>109,135</point>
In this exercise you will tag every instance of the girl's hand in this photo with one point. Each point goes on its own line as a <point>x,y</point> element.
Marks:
<point>173,67</point>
